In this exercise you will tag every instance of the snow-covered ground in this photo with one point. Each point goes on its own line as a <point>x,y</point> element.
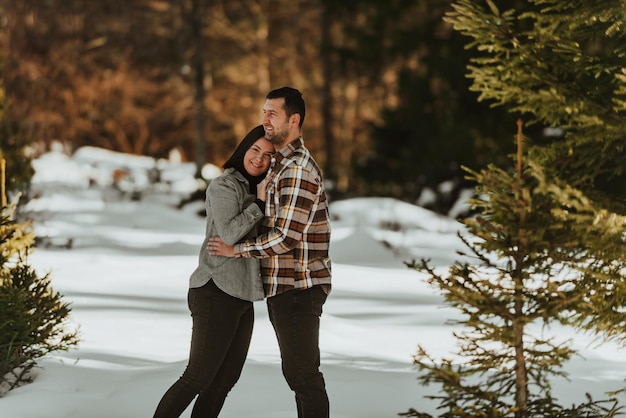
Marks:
<point>122,255</point>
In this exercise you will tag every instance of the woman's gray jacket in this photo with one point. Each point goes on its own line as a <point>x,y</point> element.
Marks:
<point>232,215</point>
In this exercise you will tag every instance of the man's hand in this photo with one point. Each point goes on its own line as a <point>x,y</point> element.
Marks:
<point>217,247</point>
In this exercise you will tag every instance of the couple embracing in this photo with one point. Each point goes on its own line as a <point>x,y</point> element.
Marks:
<point>267,235</point>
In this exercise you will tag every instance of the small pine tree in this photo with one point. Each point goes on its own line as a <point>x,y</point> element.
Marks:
<point>526,276</point>
<point>33,317</point>
<point>561,65</point>
<point>549,237</point>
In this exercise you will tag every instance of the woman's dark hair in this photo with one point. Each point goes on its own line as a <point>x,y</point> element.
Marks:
<point>236,159</point>
<point>294,103</point>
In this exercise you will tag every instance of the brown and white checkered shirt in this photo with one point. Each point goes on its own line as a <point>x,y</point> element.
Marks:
<point>295,232</point>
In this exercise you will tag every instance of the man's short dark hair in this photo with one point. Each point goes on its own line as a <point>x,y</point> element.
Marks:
<point>294,103</point>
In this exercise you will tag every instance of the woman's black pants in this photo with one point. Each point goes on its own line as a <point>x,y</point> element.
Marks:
<point>221,334</point>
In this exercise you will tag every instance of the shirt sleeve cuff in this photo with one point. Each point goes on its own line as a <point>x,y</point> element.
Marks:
<point>238,249</point>
<point>261,205</point>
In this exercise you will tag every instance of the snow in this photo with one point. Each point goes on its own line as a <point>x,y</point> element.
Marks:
<point>122,258</point>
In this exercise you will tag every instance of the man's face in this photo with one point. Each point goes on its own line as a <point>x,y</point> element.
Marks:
<point>275,122</point>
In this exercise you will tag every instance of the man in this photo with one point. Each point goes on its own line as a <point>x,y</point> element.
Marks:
<point>293,248</point>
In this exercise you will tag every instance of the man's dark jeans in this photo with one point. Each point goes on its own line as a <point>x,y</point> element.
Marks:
<point>222,329</point>
<point>295,316</point>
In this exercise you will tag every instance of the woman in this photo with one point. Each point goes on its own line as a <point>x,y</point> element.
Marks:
<point>222,289</point>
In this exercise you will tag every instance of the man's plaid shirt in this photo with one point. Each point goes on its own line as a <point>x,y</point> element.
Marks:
<point>295,232</point>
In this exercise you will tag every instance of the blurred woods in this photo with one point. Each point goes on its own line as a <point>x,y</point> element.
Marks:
<point>389,107</point>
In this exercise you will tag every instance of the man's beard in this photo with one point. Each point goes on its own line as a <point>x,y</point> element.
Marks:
<point>277,137</point>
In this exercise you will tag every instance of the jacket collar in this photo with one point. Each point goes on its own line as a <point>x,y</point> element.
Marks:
<point>237,174</point>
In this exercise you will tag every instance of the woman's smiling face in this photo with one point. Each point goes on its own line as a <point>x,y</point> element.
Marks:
<point>258,158</point>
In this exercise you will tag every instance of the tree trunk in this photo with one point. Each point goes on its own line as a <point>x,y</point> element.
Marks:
<point>330,171</point>
<point>521,374</point>
<point>197,23</point>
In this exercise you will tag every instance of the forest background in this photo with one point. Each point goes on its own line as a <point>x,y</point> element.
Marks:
<point>390,112</point>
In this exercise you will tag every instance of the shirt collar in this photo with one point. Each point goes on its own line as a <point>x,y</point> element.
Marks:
<point>289,149</point>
